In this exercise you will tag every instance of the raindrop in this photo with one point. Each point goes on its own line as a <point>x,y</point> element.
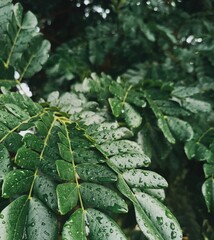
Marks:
<point>172,226</point>
<point>173,235</point>
<point>160,220</point>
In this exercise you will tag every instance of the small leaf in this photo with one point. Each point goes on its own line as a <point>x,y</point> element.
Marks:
<point>101,227</point>
<point>17,182</point>
<point>95,173</point>
<point>120,146</point>
<point>162,124</point>
<point>161,217</point>
<point>27,158</point>
<point>41,222</point>
<point>65,152</point>
<point>180,129</point>
<point>33,142</point>
<point>67,195</point>
<point>183,92</point>
<point>95,195</point>
<point>130,160</point>
<point>144,179</point>
<point>13,142</point>
<point>208,192</point>
<point>116,89</point>
<point>208,169</point>
<point>4,162</point>
<point>74,228</point>
<point>196,106</point>
<point>132,118</point>
<point>109,135</point>
<point>116,106</point>
<point>65,170</point>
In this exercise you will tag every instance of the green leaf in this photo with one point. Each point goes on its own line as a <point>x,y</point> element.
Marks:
<point>27,158</point>
<point>120,146</point>
<point>65,170</point>
<point>13,142</point>
<point>45,190</point>
<point>13,219</point>
<point>65,152</point>
<point>109,135</point>
<point>144,179</point>
<point>17,182</point>
<point>8,119</point>
<point>41,222</point>
<point>208,192</point>
<point>130,160</point>
<point>161,217</point>
<point>208,170</point>
<point>17,111</point>
<point>116,106</point>
<point>101,227</point>
<point>116,89</point>
<point>132,118</point>
<point>157,193</point>
<point>95,173</point>
<point>183,92</point>
<point>180,129</point>
<point>95,195</point>
<point>196,106</point>
<point>33,142</point>
<point>75,228</point>
<point>4,162</point>
<point>67,195</point>
<point>162,124</point>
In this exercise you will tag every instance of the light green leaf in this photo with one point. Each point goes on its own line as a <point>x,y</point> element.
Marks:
<point>161,217</point>
<point>17,182</point>
<point>27,158</point>
<point>130,160</point>
<point>13,219</point>
<point>144,179</point>
<point>4,162</point>
<point>67,195</point>
<point>183,92</point>
<point>41,222</point>
<point>75,227</point>
<point>95,195</point>
<point>29,21</point>
<point>116,106</point>
<point>45,190</point>
<point>95,173</point>
<point>208,192</point>
<point>196,106</point>
<point>109,135</point>
<point>120,146</point>
<point>102,227</point>
<point>65,170</point>
<point>180,129</point>
<point>132,118</point>
<point>157,193</point>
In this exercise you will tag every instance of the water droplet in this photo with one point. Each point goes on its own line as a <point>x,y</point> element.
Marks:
<point>160,220</point>
<point>173,235</point>
<point>172,226</point>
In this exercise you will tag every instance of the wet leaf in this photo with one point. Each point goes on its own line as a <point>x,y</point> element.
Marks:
<point>208,192</point>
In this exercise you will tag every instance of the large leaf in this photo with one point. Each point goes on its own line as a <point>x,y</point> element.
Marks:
<point>102,227</point>
<point>162,218</point>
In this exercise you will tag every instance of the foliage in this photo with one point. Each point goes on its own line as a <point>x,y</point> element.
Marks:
<point>73,163</point>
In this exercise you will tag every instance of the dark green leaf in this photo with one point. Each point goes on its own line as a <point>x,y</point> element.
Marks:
<point>17,182</point>
<point>95,195</point>
<point>65,170</point>
<point>67,195</point>
<point>208,192</point>
<point>116,106</point>
<point>75,227</point>
<point>95,173</point>
<point>101,227</point>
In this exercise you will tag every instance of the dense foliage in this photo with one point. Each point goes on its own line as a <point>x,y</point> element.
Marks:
<point>135,90</point>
